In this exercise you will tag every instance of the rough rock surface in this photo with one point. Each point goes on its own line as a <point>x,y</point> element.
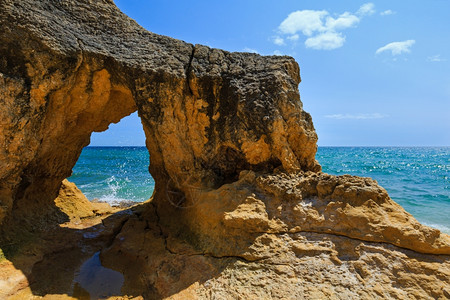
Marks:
<point>69,68</point>
<point>45,264</point>
<point>240,207</point>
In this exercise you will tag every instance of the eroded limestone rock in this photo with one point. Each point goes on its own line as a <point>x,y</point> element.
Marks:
<point>70,68</point>
<point>240,205</point>
<point>345,205</point>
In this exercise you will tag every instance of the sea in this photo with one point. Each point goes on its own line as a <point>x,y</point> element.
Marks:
<point>418,178</point>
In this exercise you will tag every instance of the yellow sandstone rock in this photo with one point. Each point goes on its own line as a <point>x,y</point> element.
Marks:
<point>240,209</point>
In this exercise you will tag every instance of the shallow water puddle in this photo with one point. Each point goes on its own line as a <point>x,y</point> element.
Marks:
<point>94,281</point>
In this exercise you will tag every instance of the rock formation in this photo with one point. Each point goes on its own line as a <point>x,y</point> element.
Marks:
<point>240,207</point>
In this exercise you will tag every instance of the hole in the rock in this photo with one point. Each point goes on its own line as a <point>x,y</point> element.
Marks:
<point>114,167</point>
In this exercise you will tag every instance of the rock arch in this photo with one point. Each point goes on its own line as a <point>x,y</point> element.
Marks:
<point>225,131</point>
<point>208,113</point>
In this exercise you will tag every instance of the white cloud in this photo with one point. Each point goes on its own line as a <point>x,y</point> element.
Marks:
<point>357,116</point>
<point>305,21</point>
<point>344,21</point>
<point>436,58</point>
<point>397,48</point>
<point>387,12</point>
<point>278,41</point>
<point>325,41</point>
<point>322,30</point>
<point>250,50</point>
<point>293,37</point>
<point>366,9</point>
<point>278,53</point>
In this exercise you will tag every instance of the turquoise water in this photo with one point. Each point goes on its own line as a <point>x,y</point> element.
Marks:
<point>418,178</point>
<point>114,174</point>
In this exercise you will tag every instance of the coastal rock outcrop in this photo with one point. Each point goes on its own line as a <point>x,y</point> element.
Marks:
<point>207,113</point>
<point>240,203</point>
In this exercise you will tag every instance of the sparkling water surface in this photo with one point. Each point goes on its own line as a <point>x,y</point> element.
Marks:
<point>114,174</point>
<point>418,178</point>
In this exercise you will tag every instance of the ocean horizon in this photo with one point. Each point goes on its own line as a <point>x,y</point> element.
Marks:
<point>416,177</point>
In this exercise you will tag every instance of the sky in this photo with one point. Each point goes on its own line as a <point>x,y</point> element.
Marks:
<point>374,73</point>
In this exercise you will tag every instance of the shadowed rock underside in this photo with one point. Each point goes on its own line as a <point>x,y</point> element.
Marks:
<point>240,207</point>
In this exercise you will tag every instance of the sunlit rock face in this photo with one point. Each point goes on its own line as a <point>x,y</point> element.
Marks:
<point>70,68</point>
<point>232,153</point>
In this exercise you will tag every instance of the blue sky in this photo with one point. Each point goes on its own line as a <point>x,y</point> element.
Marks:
<point>373,73</point>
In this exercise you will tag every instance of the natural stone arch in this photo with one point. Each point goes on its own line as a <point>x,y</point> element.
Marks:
<point>226,131</point>
<point>208,113</point>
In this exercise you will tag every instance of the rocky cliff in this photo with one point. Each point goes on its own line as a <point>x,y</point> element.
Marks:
<point>240,207</point>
